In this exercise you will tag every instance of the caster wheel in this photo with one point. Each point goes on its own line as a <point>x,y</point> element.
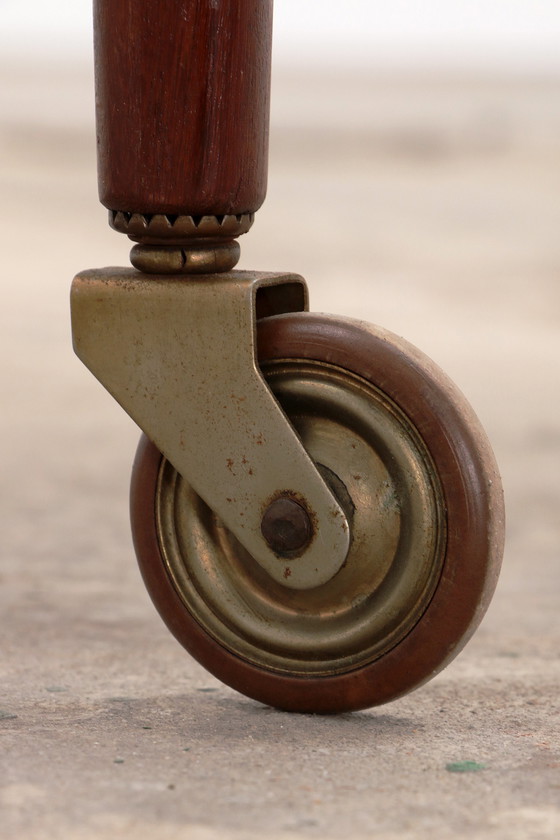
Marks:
<point>412,468</point>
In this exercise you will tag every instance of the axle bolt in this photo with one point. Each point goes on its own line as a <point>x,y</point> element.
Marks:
<point>286,526</point>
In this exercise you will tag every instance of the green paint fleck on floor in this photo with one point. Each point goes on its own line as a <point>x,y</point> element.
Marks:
<point>465,767</point>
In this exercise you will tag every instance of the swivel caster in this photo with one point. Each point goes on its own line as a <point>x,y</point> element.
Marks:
<point>316,511</point>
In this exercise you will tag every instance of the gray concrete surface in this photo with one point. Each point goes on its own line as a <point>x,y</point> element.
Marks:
<point>430,206</point>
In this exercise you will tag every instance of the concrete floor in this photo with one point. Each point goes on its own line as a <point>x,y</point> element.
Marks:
<point>430,206</point>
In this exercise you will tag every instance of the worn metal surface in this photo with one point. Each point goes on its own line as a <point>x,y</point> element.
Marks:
<point>158,227</point>
<point>179,357</point>
<point>381,471</point>
<point>201,256</point>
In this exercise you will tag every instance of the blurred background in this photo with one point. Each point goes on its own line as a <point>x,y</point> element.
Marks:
<point>414,181</point>
<point>472,32</point>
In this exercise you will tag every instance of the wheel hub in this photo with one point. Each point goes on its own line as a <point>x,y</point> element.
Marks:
<point>379,469</point>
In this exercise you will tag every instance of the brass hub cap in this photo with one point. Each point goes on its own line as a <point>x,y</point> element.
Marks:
<point>379,468</point>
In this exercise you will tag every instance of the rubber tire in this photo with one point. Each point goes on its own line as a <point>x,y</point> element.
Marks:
<point>475,522</point>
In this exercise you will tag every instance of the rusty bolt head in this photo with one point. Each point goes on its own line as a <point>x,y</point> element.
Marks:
<point>286,526</point>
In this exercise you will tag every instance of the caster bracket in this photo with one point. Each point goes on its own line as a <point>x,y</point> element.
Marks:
<point>179,356</point>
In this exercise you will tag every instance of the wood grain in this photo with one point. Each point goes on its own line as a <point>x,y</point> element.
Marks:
<point>182,91</point>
